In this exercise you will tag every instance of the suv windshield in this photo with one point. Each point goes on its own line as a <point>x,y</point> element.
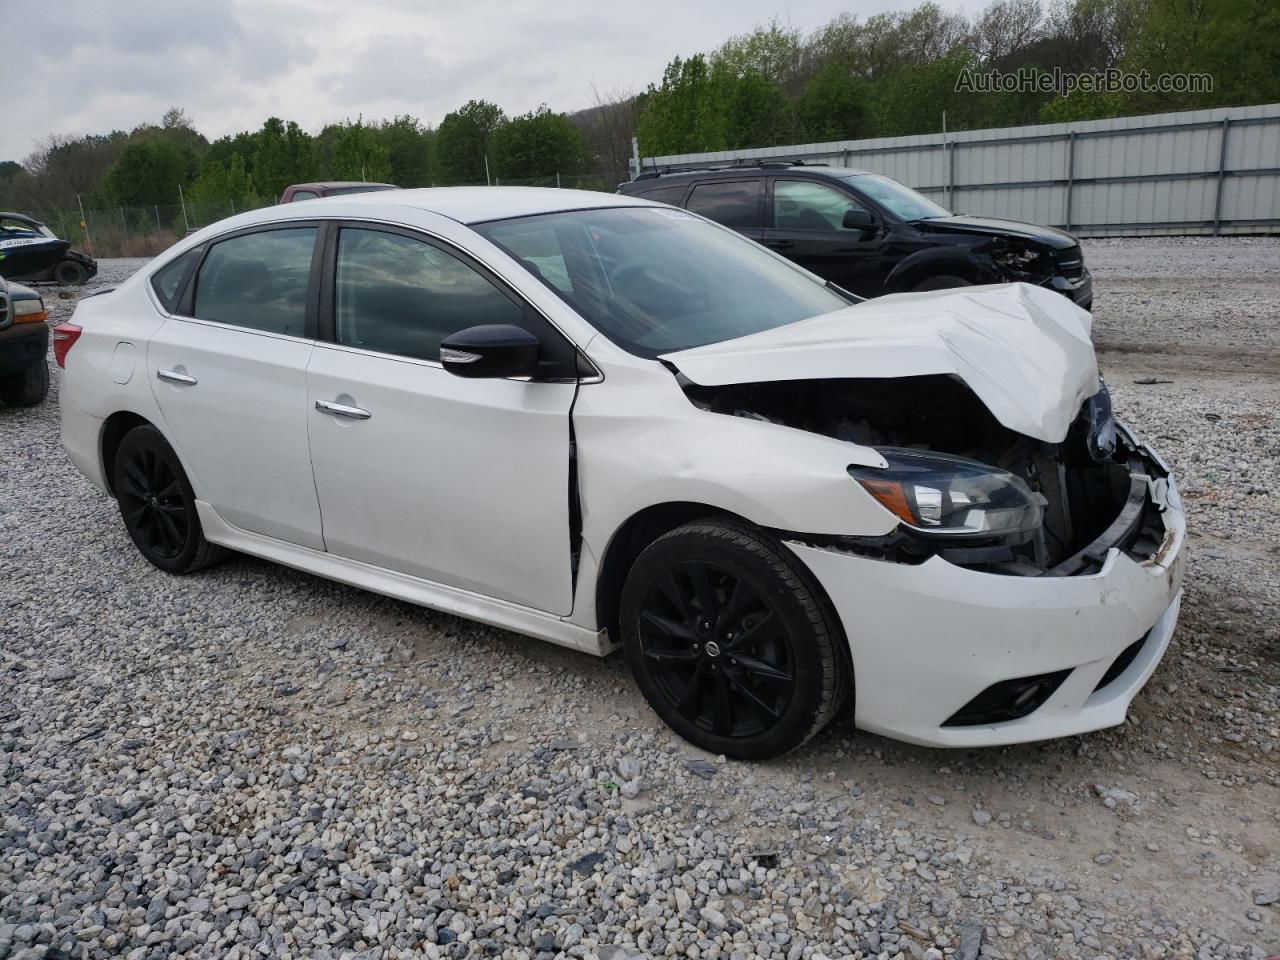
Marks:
<point>656,280</point>
<point>901,200</point>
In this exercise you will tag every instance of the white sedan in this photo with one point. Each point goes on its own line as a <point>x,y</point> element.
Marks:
<point>605,422</point>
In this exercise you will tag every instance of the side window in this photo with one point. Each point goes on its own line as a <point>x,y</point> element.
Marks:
<point>735,204</point>
<point>395,294</point>
<point>303,195</point>
<point>169,280</point>
<point>802,205</point>
<point>258,280</point>
<point>672,194</point>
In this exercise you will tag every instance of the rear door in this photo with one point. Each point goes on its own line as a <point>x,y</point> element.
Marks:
<point>805,225</point>
<point>735,203</point>
<point>228,371</point>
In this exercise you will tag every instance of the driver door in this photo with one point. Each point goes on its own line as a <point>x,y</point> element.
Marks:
<point>806,226</point>
<point>458,481</point>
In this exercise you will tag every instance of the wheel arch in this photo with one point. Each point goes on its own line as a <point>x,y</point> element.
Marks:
<point>113,431</point>
<point>954,261</point>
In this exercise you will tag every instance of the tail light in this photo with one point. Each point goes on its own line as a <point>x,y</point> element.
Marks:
<point>65,336</point>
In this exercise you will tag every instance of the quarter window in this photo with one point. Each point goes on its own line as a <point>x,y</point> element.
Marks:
<point>735,204</point>
<point>668,194</point>
<point>258,281</point>
<point>395,294</point>
<point>799,205</point>
<point>169,279</point>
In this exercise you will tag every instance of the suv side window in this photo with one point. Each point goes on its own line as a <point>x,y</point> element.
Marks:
<point>805,205</point>
<point>258,280</point>
<point>668,194</point>
<point>735,203</point>
<point>395,294</point>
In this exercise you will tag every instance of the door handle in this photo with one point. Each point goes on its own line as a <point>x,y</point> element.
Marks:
<point>778,244</point>
<point>342,410</point>
<point>173,376</point>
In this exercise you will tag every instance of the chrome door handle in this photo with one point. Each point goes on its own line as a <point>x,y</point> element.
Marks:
<point>173,376</point>
<point>342,410</point>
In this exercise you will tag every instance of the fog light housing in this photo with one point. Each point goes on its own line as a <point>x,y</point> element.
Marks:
<point>1008,700</point>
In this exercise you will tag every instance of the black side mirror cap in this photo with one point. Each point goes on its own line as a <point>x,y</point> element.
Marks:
<point>855,218</point>
<point>493,350</point>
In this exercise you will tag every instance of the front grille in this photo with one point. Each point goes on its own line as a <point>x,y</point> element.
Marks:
<point>1071,263</point>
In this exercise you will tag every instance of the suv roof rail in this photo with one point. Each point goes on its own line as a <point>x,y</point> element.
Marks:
<point>742,163</point>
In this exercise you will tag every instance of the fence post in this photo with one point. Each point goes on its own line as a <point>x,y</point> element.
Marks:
<point>951,175</point>
<point>88,240</point>
<point>125,227</point>
<point>557,178</point>
<point>1071,172</point>
<point>186,224</point>
<point>157,210</point>
<point>1222,176</point>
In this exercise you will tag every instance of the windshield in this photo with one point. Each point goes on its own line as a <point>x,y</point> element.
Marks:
<point>901,200</point>
<point>655,280</point>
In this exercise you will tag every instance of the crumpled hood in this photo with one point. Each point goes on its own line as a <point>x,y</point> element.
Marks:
<point>1023,350</point>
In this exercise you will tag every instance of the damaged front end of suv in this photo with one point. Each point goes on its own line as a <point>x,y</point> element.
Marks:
<point>1037,540</point>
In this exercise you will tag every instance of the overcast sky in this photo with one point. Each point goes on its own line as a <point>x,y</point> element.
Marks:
<point>98,65</point>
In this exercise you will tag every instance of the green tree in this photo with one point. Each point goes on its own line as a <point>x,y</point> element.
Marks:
<point>756,114</point>
<point>408,145</point>
<point>221,190</point>
<point>462,142</point>
<point>148,171</point>
<point>833,105</point>
<point>279,154</point>
<point>360,154</point>
<point>686,113</point>
<point>537,144</point>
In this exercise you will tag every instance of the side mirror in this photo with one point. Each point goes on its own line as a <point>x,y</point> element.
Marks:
<point>492,350</point>
<point>856,218</point>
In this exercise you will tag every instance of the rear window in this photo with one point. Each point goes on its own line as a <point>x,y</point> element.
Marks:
<point>672,194</point>
<point>169,280</point>
<point>735,204</point>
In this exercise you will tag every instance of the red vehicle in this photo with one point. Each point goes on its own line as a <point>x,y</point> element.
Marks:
<point>330,188</point>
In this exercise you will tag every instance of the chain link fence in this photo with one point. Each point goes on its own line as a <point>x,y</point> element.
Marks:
<point>146,231</point>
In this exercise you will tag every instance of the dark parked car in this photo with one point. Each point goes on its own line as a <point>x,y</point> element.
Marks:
<point>330,188</point>
<point>869,234</point>
<point>24,342</point>
<point>29,250</point>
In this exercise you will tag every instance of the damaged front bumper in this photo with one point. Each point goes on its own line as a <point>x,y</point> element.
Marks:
<point>950,656</point>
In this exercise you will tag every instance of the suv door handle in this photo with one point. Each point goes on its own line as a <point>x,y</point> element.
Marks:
<point>342,410</point>
<point>173,376</point>
<point>779,244</point>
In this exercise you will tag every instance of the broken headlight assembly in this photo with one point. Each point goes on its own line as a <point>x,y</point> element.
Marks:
<point>943,496</point>
<point>1021,260</point>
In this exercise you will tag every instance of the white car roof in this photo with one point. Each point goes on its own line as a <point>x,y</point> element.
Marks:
<point>475,204</point>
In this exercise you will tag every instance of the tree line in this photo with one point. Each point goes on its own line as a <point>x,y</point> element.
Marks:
<point>889,74</point>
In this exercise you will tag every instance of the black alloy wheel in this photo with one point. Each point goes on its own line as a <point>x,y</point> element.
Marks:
<point>158,505</point>
<point>730,642</point>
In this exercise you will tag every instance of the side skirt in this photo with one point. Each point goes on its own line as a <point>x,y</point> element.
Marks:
<point>497,613</point>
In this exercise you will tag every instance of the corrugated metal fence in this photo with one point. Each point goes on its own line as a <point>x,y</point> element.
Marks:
<point>1200,172</point>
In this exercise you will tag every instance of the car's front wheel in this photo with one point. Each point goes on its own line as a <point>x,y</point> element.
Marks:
<point>69,273</point>
<point>730,641</point>
<point>158,504</point>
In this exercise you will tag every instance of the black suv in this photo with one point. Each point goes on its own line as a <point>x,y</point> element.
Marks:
<point>867,233</point>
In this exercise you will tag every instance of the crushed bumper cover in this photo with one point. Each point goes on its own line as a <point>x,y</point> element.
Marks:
<point>926,639</point>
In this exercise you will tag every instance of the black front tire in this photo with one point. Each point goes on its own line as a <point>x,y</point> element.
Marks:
<point>158,505</point>
<point>944,281</point>
<point>69,273</point>
<point>27,387</point>
<point>731,641</point>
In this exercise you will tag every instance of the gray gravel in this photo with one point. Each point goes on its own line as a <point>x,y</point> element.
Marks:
<point>255,762</point>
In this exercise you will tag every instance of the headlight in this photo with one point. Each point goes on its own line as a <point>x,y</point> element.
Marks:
<point>28,310</point>
<point>1019,259</point>
<point>940,495</point>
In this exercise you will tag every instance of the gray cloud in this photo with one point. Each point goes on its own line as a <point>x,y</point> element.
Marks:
<point>232,63</point>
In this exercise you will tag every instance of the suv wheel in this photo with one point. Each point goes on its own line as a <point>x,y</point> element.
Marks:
<point>69,273</point>
<point>729,641</point>
<point>942,282</point>
<point>27,387</point>
<point>158,505</point>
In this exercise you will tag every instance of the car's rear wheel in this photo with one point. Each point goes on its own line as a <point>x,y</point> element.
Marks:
<point>158,505</point>
<point>27,387</point>
<point>943,281</point>
<point>730,641</point>
<point>69,273</point>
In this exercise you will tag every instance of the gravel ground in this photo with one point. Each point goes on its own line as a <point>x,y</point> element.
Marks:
<point>253,761</point>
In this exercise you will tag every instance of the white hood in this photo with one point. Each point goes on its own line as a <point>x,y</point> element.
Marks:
<point>1025,351</point>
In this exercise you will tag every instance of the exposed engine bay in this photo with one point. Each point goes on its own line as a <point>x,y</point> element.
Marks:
<point>1093,488</point>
